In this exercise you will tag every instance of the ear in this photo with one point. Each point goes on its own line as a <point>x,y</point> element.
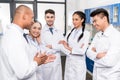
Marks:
<point>24,17</point>
<point>104,18</point>
<point>82,20</point>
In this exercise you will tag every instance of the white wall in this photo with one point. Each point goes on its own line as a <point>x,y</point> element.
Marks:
<point>85,4</point>
<point>72,6</point>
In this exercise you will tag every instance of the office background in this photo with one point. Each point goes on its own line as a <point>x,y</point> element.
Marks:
<point>64,10</point>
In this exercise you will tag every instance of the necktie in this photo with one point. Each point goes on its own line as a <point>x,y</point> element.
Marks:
<point>51,30</point>
<point>102,33</point>
<point>24,35</point>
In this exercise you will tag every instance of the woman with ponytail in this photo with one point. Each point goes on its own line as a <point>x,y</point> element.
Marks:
<point>76,45</point>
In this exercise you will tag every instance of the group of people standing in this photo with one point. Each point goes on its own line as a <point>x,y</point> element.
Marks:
<point>36,56</point>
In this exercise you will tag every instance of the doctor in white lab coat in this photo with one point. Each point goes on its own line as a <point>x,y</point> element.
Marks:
<point>105,48</point>
<point>15,53</point>
<point>77,43</point>
<point>34,40</point>
<point>53,70</point>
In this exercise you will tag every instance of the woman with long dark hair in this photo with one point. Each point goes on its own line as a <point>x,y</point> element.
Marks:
<point>76,45</point>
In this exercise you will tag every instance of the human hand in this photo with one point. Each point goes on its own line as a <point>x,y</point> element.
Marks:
<point>101,55</point>
<point>65,44</point>
<point>61,42</point>
<point>50,58</point>
<point>94,49</point>
<point>49,46</point>
<point>40,58</point>
<point>82,45</point>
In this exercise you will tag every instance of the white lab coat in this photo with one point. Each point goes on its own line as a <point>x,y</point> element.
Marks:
<point>16,61</point>
<point>36,48</point>
<point>108,67</point>
<point>52,71</point>
<point>75,68</point>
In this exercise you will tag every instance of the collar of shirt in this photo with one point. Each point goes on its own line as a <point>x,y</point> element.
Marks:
<point>46,28</point>
<point>32,41</point>
<point>78,31</point>
<point>107,31</point>
<point>18,27</point>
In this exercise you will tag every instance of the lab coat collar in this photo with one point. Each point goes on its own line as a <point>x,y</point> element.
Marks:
<point>18,27</point>
<point>107,31</point>
<point>47,28</point>
<point>33,40</point>
<point>79,30</point>
<point>30,37</point>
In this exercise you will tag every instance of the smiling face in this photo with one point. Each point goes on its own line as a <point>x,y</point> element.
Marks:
<point>99,22</point>
<point>35,30</point>
<point>100,19</point>
<point>77,21</point>
<point>50,18</point>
